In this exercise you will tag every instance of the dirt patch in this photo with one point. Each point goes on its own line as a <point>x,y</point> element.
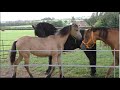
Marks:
<point>22,73</point>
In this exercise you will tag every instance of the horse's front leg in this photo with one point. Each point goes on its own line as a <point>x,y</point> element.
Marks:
<point>54,60</point>
<point>92,58</point>
<point>59,63</point>
<point>49,67</point>
<point>50,73</point>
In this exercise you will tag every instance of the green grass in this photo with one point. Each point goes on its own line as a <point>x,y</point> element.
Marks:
<point>76,58</point>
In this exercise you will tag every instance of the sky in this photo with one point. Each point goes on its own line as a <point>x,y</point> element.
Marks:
<point>13,16</point>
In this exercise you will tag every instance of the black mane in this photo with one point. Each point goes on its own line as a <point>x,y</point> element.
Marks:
<point>44,29</point>
<point>64,31</point>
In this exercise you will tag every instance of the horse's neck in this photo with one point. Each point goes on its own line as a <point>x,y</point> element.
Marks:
<point>111,39</point>
<point>62,39</point>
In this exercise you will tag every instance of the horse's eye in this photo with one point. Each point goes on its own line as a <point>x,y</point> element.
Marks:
<point>76,30</point>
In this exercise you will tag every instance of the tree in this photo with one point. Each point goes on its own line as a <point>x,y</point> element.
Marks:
<point>58,23</point>
<point>111,19</point>
<point>104,19</point>
<point>73,20</point>
<point>92,20</point>
<point>98,23</point>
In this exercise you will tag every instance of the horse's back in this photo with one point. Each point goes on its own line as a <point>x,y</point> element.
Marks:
<point>24,41</point>
<point>36,43</point>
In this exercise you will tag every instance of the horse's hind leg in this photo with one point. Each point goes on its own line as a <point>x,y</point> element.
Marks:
<point>111,68</point>
<point>26,67</point>
<point>16,63</point>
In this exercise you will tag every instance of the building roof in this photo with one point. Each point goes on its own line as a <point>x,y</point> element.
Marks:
<point>82,23</point>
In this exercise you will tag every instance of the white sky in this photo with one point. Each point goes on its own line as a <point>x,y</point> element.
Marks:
<point>13,16</point>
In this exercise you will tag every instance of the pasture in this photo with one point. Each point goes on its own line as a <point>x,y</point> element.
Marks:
<point>76,57</point>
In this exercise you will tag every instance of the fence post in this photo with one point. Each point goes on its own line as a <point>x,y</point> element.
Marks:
<point>10,66</point>
<point>119,45</point>
<point>2,48</point>
<point>114,63</point>
<point>61,63</point>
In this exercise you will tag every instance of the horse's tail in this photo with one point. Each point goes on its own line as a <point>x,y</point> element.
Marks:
<point>13,53</point>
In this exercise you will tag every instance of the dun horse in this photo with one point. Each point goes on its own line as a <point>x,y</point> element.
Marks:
<point>109,36</point>
<point>44,29</point>
<point>52,42</point>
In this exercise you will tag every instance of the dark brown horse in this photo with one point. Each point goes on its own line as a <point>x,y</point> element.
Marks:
<point>109,36</point>
<point>44,29</point>
<point>53,42</point>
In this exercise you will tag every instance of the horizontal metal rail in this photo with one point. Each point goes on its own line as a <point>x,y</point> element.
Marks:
<point>56,50</point>
<point>68,65</point>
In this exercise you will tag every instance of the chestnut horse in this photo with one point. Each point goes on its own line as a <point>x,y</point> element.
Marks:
<point>52,44</point>
<point>109,36</point>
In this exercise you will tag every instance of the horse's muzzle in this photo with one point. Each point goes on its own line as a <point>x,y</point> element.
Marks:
<point>82,46</point>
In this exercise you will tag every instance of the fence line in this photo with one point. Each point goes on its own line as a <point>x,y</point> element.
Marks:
<point>56,50</point>
<point>62,65</point>
<point>65,65</point>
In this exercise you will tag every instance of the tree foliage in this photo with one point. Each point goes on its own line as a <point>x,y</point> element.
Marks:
<point>104,19</point>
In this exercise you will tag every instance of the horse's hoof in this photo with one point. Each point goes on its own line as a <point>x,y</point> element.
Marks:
<point>31,77</point>
<point>48,76</point>
<point>62,76</point>
<point>93,74</point>
<point>47,72</point>
<point>106,76</point>
<point>13,76</point>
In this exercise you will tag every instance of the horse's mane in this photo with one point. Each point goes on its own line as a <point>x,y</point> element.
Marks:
<point>64,31</point>
<point>49,29</point>
<point>44,29</point>
<point>103,31</point>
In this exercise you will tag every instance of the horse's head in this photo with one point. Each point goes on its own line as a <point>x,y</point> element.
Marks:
<point>90,38</point>
<point>75,32</point>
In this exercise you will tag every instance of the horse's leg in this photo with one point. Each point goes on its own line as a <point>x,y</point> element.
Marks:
<point>27,67</point>
<point>59,63</point>
<point>16,63</point>
<point>49,67</point>
<point>54,60</point>
<point>51,72</point>
<point>92,58</point>
<point>111,68</point>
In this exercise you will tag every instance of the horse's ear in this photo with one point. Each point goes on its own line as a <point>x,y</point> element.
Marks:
<point>33,27</point>
<point>74,25</point>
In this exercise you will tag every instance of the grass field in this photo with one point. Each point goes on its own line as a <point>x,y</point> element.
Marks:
<point>76,57</point>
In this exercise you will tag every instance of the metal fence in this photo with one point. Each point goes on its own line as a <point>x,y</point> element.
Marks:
<point>62,65</point>
<point>3,52</point>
